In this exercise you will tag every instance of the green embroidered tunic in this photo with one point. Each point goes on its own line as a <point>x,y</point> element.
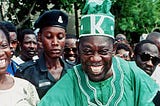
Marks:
<point>129,86</point>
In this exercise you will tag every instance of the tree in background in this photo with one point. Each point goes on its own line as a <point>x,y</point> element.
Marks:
<point>20,12</point>
<point>135,17</point>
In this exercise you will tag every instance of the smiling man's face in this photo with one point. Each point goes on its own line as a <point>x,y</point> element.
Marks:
<point>96,56</point>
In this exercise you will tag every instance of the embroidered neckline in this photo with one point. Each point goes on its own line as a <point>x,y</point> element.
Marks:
<point>116,82</point>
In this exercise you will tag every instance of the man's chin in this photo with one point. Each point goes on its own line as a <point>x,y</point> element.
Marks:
<point>148,72</point>
<point>71,59</point>
<point>55,56</point>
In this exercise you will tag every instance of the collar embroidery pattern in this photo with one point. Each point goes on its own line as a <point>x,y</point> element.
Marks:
<point>116,82</point>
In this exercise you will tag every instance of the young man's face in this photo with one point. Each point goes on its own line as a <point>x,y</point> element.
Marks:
<point>96,56</point>
<point>147,58</point>
<point>53,40</point>
<point>13,42</point>
<point>29,46</point>
<point>70,49</point>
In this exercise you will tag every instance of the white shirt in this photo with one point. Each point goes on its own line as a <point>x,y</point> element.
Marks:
<point>23,93</point>
<point>156,75</point>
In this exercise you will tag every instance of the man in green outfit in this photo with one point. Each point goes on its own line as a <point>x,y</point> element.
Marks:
<point>101,79</point>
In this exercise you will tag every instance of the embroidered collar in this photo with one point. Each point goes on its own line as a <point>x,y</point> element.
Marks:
<point>116,82</point>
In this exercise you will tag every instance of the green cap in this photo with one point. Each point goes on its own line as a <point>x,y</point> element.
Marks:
<point>97,19</point>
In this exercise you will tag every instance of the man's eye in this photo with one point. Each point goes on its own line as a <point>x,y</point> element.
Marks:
<point>47,35</point>
<point>104,52</point>
<point>60,36</point>
<point>4,46</point>
<point>13,42</point>
<point>87,52</point>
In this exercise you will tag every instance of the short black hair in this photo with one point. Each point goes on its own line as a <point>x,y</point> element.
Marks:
<point>22,34</point>
<point>140,44</point>
<point>10,26</point>
<point>124,46</point>
<point>152,35</point>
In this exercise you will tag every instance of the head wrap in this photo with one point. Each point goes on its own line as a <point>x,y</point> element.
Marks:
<point>97,19</point>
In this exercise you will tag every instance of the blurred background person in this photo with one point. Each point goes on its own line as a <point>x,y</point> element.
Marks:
<point>155,37</point>
<point>146,55</point>
<point>39,43</point>
<point>121,38</point>
<point>28,46</point>
<point>70,50</point>
<point>124,51</point>
<point>13,91</point>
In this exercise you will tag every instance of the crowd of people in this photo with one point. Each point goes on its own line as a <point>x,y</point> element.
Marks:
<point>51,67</point>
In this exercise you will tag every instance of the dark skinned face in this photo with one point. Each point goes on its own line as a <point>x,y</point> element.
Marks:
<point>13,42</point>
<point>96,56</point>
<point>29,47</point>
<point>147,57</point>
<point>53,40</point>
<point>70,50</point>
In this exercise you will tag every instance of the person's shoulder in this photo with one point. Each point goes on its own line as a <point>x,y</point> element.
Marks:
<point>22,82</point>
<point>140,75</point>
<point>130,65</point>
<point>128,68</point>
<point>66,65</point>
<point>135,68</point>
<point>17,60</point>
<point>27,65</point>
<point>74,68</point>
<point>119,62</point>
<point>119,59</point>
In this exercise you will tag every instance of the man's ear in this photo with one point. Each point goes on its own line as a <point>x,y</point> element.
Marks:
<point>77,45</point>
<point>20,46</point>
<point>39,38</point>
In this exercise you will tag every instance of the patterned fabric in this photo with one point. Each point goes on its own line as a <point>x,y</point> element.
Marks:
<point>129,86</point>
<point>97,19</point>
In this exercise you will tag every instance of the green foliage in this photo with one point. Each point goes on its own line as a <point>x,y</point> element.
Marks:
<point>136,16</point>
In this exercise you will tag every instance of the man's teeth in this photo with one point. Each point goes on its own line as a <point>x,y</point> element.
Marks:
<point>96,69</point>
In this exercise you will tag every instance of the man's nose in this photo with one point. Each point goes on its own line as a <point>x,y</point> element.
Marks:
<point>149,63</point>
<point>54,41</point>
<point>96,57</point>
